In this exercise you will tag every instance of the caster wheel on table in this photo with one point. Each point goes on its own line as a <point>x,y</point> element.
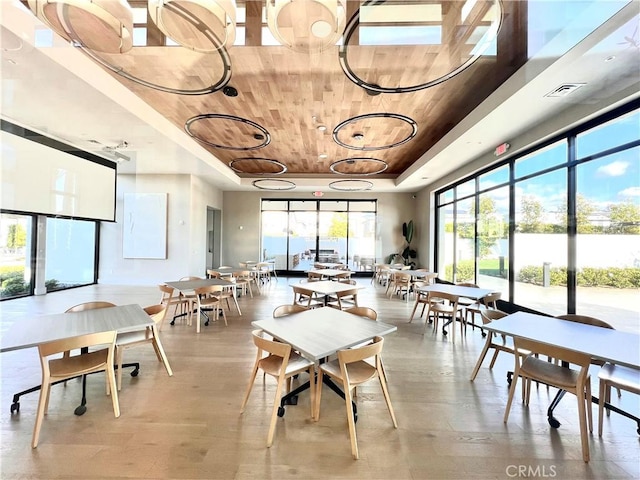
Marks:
<point>553,422</point>
<point>134,373</point>
<point>281,411</point>
<point>15,407</point>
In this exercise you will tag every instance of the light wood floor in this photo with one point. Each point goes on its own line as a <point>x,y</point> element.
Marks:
<point>189,426</point>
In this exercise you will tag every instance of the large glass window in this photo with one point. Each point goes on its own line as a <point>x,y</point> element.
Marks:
<point>540,243</point>
<point>557,229</point>
<point>298,233</point>
<point>70,254</point>
<point>608,239</point>
<point>15,255</point>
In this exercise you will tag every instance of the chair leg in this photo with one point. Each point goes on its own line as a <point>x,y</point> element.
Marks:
<point>42,402</point>
<point>274,412</point>
<point>119,355</point>
<point>385,392</point>
<point>318,394</point>
<point>254,372</point>
<point>582,417</point>
<point>160,350</point>
<point>352,423</point>
<point>512,391</point>
<point>601,400</point>
<point>483,354</point>
<point>312,391</point>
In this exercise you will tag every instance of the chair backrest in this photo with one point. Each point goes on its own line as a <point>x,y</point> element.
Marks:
<point>553,351</point>
<point>242,275</point>
<point>402,278</point>
<point>89,306</point>
<point>166,294</point>
<point>491,299</point>
<point>213,274</point>
<point>279,349</point>
<point>431,277</point>
<point>467,284</point>
<point>284,310</point>
<point>189,278</point>
<point>298,290</point>
<point>221,267</point>
<point>156,312</point>
<point>79,342</point>
<point>489,316</point>
<point>366,312</point>
<point>451,298</point>
<point>352,355</point>
<point>585,319</point>
<point>314,277</point>
<point>318,266</point>
<point>208,290</point>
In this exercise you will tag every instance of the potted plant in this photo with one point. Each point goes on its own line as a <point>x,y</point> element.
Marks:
<point>408,254</point>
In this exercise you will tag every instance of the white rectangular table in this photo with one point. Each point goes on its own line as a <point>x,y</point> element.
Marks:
<point>319,333</point>
<point>329,272</point>
<point>621,348</point>
<point>33,331</point>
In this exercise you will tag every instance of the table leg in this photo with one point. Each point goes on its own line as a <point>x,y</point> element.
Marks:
<point>235,300</point>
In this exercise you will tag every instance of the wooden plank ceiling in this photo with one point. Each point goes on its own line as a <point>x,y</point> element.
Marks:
<point>283,96</point>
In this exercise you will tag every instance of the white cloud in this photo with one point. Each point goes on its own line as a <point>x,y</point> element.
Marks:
<point>630,192</point>
<point>614,169</point>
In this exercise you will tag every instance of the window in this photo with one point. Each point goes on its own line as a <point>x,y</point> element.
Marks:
<point>16,242</point>
<point>563,235</point>
<point>298,233</point>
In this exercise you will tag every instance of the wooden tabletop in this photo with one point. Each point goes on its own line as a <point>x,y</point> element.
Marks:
<point>320,332</point>
<point>186,285</point>
<point>622,348</point>
<point>467,292</point>
<point>32,331</point>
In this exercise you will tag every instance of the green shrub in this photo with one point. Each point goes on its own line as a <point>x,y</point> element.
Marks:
<point>614,277</point>
<point>13,286</point>
<point>464,271</point>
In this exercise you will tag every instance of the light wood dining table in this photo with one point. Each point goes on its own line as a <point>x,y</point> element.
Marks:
<point>328,287</point>
<point>188,286</point>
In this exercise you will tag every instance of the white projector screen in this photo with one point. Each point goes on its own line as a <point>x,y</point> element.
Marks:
<point>43,176</point>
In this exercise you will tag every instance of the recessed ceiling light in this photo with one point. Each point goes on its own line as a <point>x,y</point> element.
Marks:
<point>322,156</point>
<point>610,58</point>
<point>357,136</point>
<point>321,128</point>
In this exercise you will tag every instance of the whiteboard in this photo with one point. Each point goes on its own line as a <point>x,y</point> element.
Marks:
<point>144,233</point>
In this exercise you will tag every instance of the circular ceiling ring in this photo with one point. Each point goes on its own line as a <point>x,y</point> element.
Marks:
<point>233,165</point>
<point>263,135</point>
<point>354,23</point>
<point>351,161</point>
<point>411,122</point>
<point>351,185</point>
<point>214,87</point>
<point>273,184</point>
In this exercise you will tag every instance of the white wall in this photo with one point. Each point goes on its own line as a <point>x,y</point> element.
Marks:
<point>188,198</point>
<point>243,209</point>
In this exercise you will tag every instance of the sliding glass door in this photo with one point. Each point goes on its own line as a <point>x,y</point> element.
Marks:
<point>298,233</point>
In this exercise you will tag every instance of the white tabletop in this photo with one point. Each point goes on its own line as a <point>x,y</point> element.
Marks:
<point>467,292</point>
<point>320,332</point>
<point>413,273</point>
<point>32,331</point>
<point>613,346</point>
<point>187,285</point>
<point>328,264</point>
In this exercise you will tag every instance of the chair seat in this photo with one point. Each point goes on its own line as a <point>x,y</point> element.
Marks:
<point>359,372</point>
<point>623,377</point>
<point>548,372</point>
<point>273,363</point>
<point>79,364</point>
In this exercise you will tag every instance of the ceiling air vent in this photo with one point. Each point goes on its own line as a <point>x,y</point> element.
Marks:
<point>564,89</point>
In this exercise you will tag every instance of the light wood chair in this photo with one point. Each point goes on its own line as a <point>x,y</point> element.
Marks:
<point>617,376</point>
<point>244,279</point>
<point>578,382</point>
<point>305,297</point>
<point>422,298</point>
<point>398,283</point>
<point>150,335</point>
<point>444,305</point>
<point>264,272</point>
<point>207,299</point>
<point>344,299</point>
<point>67,367</point>
<point>213,274</point>
<point>188,302</point>
<point>489,316</point>
<point>488,302</point>
<point>365,312</point>
<point>315,277</point>
<point>351,370</point>
<point>284,310</point>
<point>281,363</point>
<point>167,298</point>
<point>89,306</point>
